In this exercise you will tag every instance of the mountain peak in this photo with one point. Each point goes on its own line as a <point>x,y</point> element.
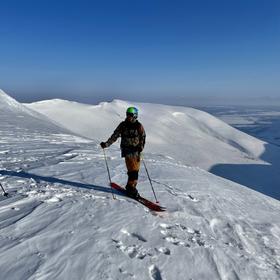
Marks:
<point>18,114</point>
<point>6,100</point>
<point>9,104</point>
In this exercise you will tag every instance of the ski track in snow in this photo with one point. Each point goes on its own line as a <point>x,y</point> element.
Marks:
<point>187,227</point>
<point>60,221</point>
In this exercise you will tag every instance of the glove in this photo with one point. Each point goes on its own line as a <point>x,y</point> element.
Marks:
<point>103,145</point>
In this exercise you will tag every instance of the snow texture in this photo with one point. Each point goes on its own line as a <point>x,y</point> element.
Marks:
<point>191,137</point>
<point>60,221</point>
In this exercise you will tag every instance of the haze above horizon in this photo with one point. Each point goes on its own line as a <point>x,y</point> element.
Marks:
<point>173,52</point>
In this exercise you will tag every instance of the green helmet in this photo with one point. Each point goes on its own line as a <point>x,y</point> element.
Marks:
<point>132,111</point>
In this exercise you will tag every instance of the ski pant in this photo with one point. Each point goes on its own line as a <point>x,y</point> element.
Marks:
<point>133,166</point>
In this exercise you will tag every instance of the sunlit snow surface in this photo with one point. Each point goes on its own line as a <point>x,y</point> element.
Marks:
<point>61,222</point>
<point>262,122</point>
<point>192,137</point>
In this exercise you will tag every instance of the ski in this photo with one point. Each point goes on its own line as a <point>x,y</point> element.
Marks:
<point>149,204</point>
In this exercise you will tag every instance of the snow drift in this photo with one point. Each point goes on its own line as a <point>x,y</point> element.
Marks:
<point>60,221</point>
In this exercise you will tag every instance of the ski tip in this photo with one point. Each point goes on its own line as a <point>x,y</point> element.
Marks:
<point>159,209</point>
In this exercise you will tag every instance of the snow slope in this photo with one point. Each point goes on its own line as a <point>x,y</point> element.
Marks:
<point>194,137</point>
<point>15,115</point>
<point>190,136</point>
<point>263,123</point>
<point>60,221</point>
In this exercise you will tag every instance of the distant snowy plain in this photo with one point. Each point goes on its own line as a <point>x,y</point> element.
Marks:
<point>61,222</point>
<point>262,122</point>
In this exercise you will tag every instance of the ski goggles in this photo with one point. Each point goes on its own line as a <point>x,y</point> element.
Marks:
<point>131,115</point>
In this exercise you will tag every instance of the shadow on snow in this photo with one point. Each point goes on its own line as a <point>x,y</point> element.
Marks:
<point>263,178</point>
<point>23,174</point>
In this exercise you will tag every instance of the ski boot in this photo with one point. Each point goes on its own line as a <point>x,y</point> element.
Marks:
<point>132,192</point>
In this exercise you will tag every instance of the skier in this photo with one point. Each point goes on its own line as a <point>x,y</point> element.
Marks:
<point>133,138</point>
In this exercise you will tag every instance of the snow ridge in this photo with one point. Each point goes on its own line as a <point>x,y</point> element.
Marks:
<point>9,103</point>
<point>165,126</point>
<point>11,110</point>
<point>60,221</point>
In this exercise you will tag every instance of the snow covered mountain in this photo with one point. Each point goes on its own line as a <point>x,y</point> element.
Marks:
<point>15,114</point>
<point>263,123</point>
<point>60,221</point>
<point>192,136</point>
<point>20,124</point>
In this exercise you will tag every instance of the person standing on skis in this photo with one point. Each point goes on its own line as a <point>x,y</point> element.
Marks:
<point>133,139</point>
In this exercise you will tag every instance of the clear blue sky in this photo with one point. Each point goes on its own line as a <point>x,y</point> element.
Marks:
<point>139,50</point>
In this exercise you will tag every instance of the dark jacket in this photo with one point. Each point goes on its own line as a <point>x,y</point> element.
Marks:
<point>132,135</point>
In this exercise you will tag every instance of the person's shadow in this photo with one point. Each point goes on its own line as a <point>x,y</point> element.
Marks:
<point>264,178</point>
<point>26,175</point>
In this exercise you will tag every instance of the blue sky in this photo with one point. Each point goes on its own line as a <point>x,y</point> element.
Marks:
<point>147,50</point>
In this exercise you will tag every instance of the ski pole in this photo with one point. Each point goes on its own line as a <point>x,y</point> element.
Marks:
<point>149,179</point>
<point>108,173</point>
<point>5,194</point>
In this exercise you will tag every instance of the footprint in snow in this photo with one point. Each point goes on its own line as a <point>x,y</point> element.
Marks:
<point>181,235</point>
<point>154,273</point>
<point>164,250</point>
<point>138,250</point>
<point>132,251</point>
<point>125,272</point>
<point>135,235</point>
